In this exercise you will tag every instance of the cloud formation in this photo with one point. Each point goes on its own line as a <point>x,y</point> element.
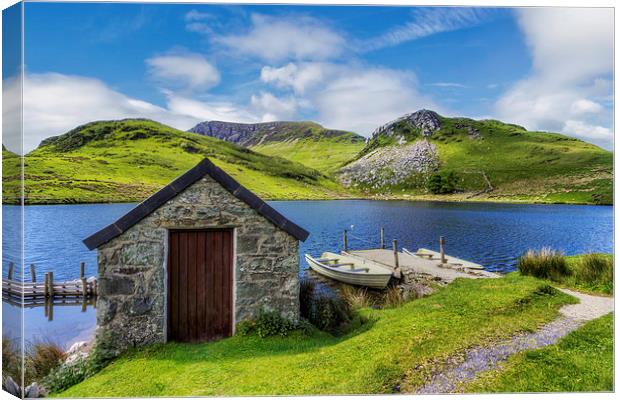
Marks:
<point>187,71</point>
<point>572,51</point>
<point>275,39</point>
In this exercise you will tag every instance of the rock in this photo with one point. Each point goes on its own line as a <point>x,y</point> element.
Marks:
<point>33,391</point>
<point>426,121</point>
<point>77,346</point>
<point>10,386</point>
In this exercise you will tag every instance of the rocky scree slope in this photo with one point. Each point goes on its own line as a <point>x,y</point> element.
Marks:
<point>489,158</point>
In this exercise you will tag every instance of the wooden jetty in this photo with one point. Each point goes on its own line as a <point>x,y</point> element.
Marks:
<point>436,264</point>
<point>48,293</point>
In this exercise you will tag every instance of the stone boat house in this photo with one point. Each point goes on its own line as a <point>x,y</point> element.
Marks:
<point>191,261</point>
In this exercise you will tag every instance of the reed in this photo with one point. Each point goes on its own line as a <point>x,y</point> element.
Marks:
<point>393,297</point>
<point>545,263</point>
<point>595,268</point>
<point>356,298</point>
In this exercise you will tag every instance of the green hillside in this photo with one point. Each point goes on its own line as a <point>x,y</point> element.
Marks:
<point>119,161</point>
<point>305,142</point>
<point>486,160</point>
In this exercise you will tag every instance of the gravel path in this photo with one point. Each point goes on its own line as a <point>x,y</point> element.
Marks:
<point>482,359</point>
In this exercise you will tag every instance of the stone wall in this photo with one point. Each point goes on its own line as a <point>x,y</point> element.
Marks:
<point>131,307</point>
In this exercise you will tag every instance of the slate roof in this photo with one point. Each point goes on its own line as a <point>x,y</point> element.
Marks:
<point>205,167</point>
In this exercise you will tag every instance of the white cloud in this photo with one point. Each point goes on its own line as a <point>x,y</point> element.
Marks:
<point>299,77</point>
<point>449,85</point>
<point>11,113</point>
<point>188,71</point>
<point>361,100</point>
<point>274,108</point>
<point>572,50</point>
<point>277,39</point>
<point>55,103</point>
<point>427,22</point>
<point>195,15</point>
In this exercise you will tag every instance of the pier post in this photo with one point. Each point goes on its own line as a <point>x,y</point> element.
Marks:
<point>33,274</point>
<point>345,240</point>
<point>47,286</point>
<point>50,291</point>
<point>395,247</point>
<point>382,238</point>
<point>11,270</point>
<point>82,270</point>
<point>442,242</point>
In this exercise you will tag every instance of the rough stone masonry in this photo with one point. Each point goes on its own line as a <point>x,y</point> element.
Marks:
<point>131,307</point>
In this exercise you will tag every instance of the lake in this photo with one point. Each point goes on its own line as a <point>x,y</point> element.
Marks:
<point>493,235</point>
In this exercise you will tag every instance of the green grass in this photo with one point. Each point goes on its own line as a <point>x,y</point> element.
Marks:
<point>583,361</point>
<point>522,166</point>
<point>123,161</point>
<point>397,346</point>
<point>324,155</point>
<point>580,281</point>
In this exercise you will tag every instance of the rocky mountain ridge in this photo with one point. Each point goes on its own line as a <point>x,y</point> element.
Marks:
<point>249,135</point>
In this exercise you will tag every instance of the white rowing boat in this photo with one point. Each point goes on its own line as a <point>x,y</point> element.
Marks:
<point>351,270</point>
<point>452,262</point>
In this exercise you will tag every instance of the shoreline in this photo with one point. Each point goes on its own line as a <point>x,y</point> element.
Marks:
<point>402,197</point>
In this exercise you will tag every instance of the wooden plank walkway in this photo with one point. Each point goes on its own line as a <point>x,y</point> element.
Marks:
<point>420,265</point>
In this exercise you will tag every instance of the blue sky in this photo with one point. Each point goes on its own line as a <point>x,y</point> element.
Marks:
<point>351,68</point>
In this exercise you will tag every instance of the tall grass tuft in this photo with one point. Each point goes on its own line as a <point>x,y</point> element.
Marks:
<point>545,263</point>
<point>41,358</point>
<point>595,268</point>
<point>356,298</point>
<point>393,297</point>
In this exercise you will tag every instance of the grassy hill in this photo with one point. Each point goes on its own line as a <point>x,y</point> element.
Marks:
<point>487,159</point>
<point>128,160</point>
<point>305,142</point>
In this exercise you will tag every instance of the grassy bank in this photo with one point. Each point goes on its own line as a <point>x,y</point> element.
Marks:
<point>589,273</point>
<point>580,362</point>
<point>397,346</point>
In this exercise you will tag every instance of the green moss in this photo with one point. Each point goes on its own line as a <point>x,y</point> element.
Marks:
<point>396,346</point>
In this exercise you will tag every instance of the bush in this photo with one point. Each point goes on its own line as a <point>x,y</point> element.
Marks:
<point>268,323</point>
<point>434,184</point>
<point>11,360</point>
<point>66,375</point>
<point>545,263</point>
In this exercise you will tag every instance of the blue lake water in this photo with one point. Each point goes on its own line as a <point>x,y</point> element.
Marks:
<point>493,235</point>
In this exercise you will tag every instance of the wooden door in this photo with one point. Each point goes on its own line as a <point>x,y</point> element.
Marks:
<point>200,285</point>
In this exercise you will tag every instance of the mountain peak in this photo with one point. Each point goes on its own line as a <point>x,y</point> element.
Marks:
<point>426,121</point>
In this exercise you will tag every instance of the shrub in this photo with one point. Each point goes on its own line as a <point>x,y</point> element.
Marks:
<point>268,323</point>
<point>326,310</point>
<point>11,360</point>
<point>595,268</point>
<point>545,263</point>
<point>66,375</point>
<point>434,184</point>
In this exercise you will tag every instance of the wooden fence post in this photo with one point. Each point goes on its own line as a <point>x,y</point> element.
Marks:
<point>11,270</point>
<point>33,274</point>
<point>82,270</point>
<point>345,240</point>
<point>382,238</point>
<point>442,242</point>
<point>395,246</point>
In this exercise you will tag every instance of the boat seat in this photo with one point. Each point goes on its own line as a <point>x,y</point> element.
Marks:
<point>341,265</point>
<point>324,260</point>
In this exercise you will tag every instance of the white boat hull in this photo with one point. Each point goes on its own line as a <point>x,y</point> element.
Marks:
<point>361,273</point>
